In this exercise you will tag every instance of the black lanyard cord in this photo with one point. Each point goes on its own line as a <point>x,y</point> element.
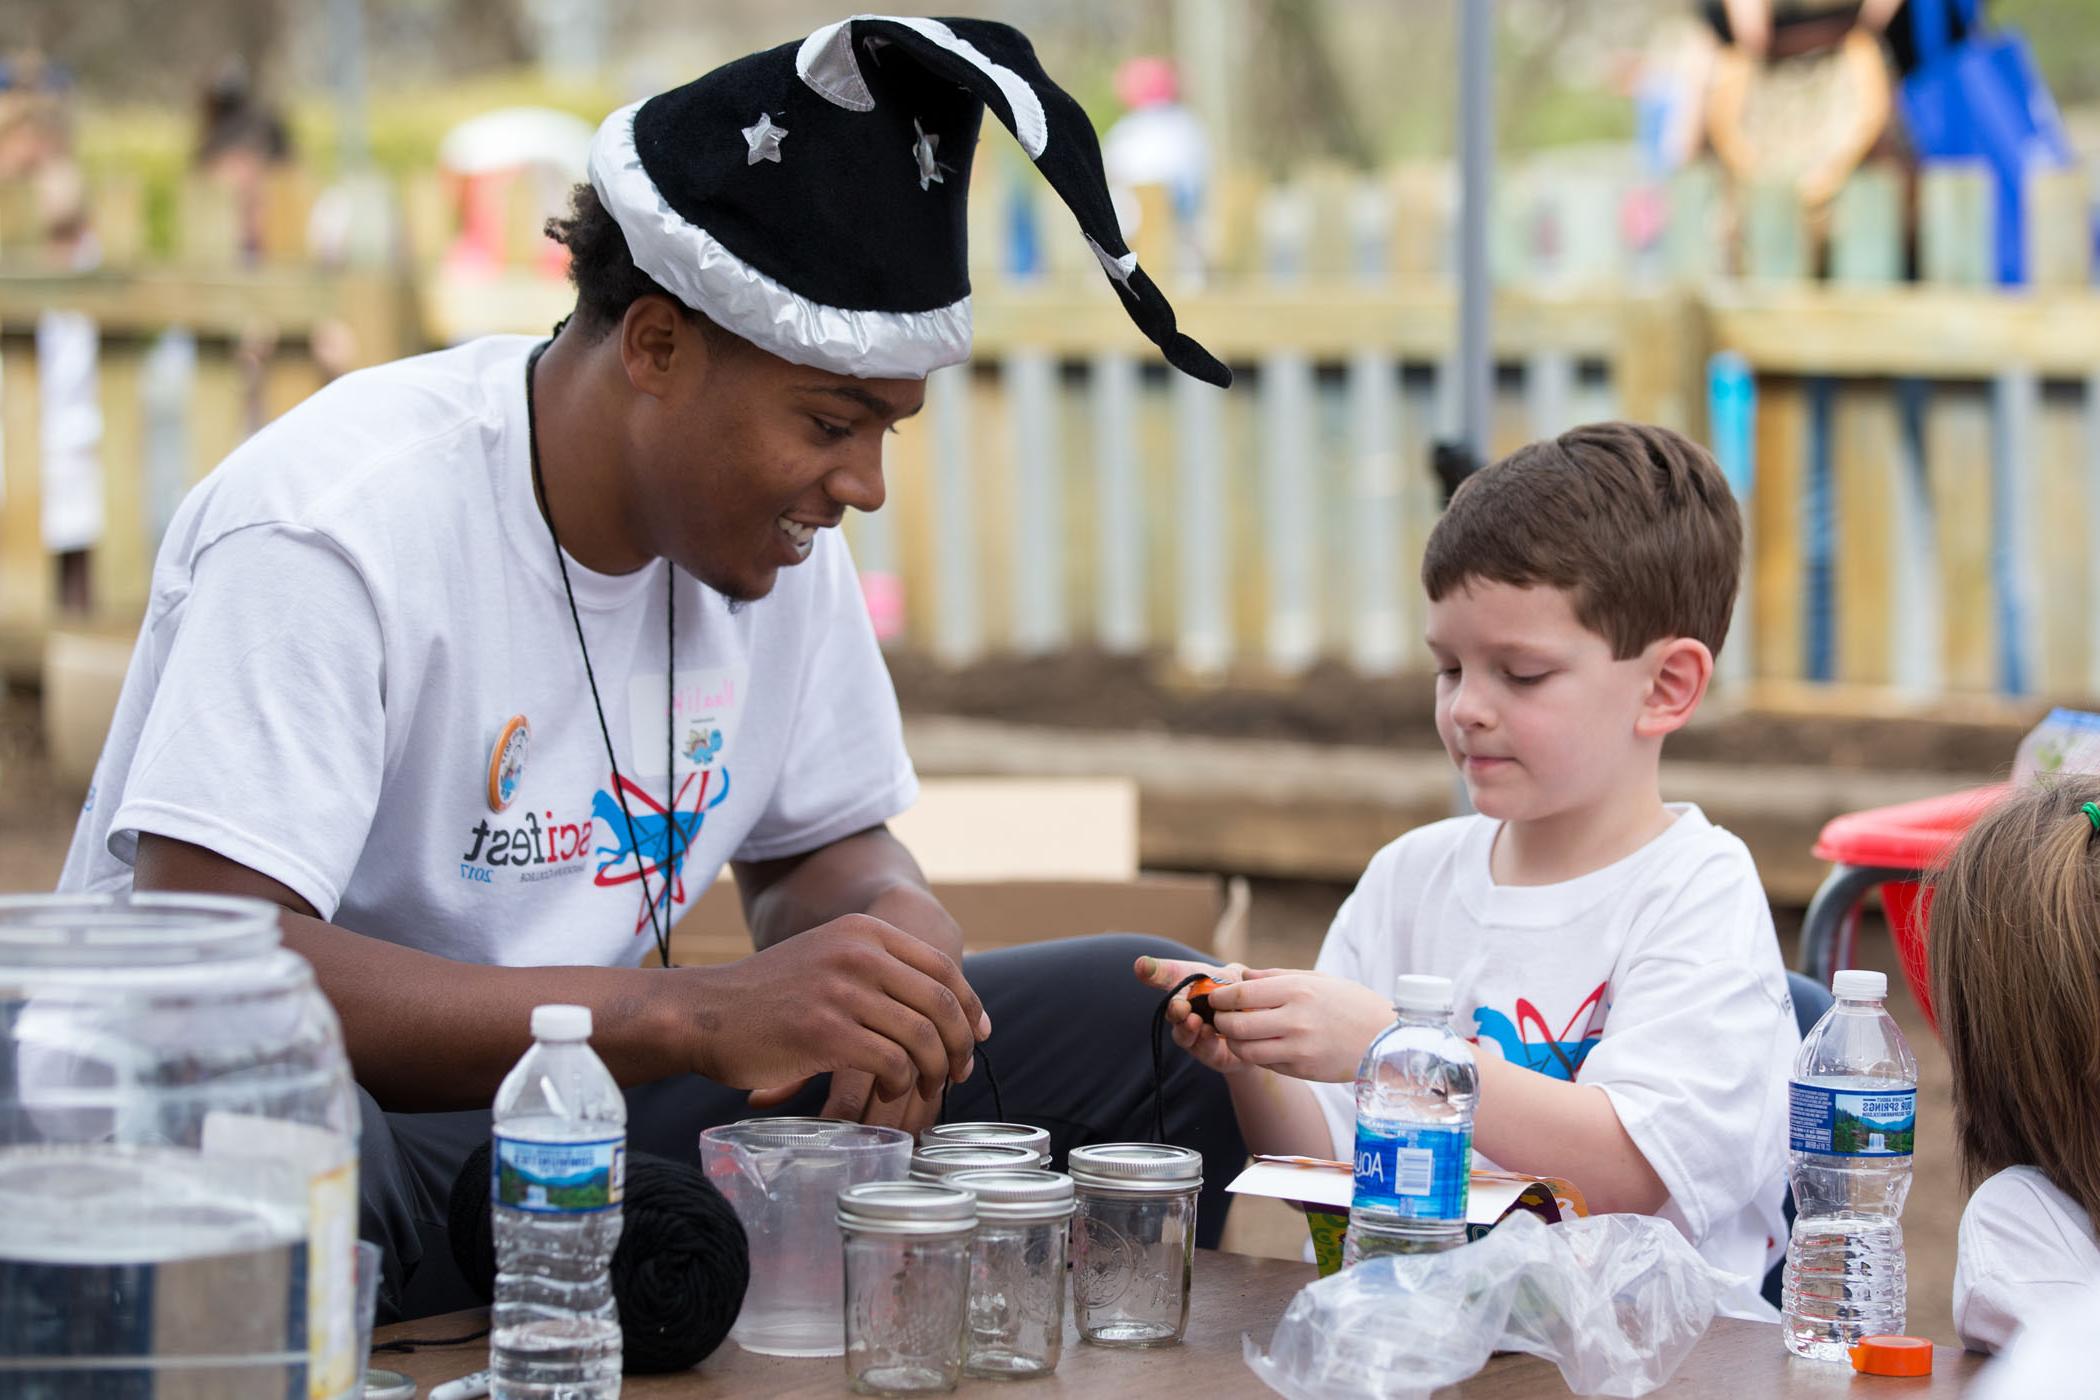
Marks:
<point>674,839</point>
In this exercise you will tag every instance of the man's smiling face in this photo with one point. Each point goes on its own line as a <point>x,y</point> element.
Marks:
<point>750,456</point>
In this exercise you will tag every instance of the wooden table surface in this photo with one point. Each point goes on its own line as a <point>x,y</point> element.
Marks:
<point>1233,1294</point>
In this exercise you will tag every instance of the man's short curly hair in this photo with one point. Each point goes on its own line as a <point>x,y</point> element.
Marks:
<point>607,281</point>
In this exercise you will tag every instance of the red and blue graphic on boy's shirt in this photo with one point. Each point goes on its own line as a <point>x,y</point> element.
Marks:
<point>1529,1040</point>
<point>662,837</point>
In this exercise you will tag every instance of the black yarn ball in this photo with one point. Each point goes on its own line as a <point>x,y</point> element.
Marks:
<point>679,1273</point>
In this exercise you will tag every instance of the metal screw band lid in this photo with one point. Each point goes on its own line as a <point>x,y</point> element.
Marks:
<point>907,1208</point>
<point>1003,1134</point>
<point>1017,1196</point>
<point>937,1161</point>
<point>1136,1166</point>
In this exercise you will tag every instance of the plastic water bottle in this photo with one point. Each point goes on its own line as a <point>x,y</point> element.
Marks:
<point>1414,1129</point>
<point>1853,1120</point>
<point>559,1167</point>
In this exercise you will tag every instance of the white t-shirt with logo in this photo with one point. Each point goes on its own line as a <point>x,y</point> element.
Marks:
<point>2023,1247</point>
<point>1657,978</point>
<point>358,675</point>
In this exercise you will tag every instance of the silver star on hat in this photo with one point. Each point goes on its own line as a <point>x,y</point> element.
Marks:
<point>922,151</point>
<point>764,140</point>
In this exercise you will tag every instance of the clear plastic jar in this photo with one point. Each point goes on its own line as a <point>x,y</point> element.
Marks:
<point>907,1247</point>
<point>936,1162</point>
<point>1036,1140</point>
<point>177,1122</point>
<point>1017,1272</point>
<point>1133,1242</point>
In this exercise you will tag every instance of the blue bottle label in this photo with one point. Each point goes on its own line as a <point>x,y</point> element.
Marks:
<point>1421,1173</point>
<point>558,1178</point>
<point>1845,1123</point>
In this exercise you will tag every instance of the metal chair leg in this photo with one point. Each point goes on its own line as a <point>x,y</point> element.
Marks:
<point>1835,909</point>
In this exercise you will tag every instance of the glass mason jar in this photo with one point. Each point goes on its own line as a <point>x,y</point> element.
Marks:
<point>907,1246</point>
<point>1133,1242</point>
<point>1025,1135</point>
<point>936,1162</point>
<point>177,1122</point>
<point>1017,1272</point>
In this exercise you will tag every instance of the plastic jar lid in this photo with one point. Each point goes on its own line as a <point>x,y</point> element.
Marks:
<point>1017,1196</point>
<point>1416,991</point>
<point>1859,984</point>
<point>1136,1166</point>
<point>1890,1355</point>
<point>1003,1134</point>
<point>907,1208</point>
<point>941,1160</point>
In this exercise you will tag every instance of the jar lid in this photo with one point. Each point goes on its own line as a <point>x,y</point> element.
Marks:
<point>1004,1134</point>
<point>1017,1195</point>
<point>1136,1166</point>
<point>907,1208</point>
<point>944,1159</point>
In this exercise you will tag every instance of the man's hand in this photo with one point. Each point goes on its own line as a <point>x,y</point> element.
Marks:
<point>854,1099</point>
<point>853,996</point>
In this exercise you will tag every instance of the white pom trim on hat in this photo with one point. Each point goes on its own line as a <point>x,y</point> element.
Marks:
<point>691,265</point>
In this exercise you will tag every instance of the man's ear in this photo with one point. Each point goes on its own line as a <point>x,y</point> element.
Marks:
<point>653,334</point>
<point>1679,670</point>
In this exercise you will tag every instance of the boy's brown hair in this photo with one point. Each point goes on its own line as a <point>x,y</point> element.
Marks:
<point>2013,940</point>
<point>1635,522</point>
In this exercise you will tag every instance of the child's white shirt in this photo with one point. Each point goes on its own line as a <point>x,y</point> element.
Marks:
<point>1657,978</point>
<point>2023,1246</point>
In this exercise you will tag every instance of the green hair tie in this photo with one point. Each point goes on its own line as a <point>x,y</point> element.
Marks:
<point>2092,814</point>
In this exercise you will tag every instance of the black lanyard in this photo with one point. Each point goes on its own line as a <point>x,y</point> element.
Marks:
<point>674,839</point>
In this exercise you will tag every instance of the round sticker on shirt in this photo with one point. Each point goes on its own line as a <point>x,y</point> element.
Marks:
<point>507,762</point>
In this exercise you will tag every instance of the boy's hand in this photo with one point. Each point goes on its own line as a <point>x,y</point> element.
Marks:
<point>1203,1043</point>
<point>1303,1024</point>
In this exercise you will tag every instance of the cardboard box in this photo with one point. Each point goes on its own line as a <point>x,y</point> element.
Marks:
<point>1322,1188</point>
<point>1022,860</point>
<point>1207,913</point>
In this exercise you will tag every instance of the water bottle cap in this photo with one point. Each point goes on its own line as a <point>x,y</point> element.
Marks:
<point>558,1022</point>
<point>1415,992</point>
<point>1890,1355</point>
<point>1858,984</point>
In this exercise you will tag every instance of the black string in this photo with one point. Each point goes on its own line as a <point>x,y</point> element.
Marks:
<point>991,1079</point>
<point>1159,1055</point>
<point>674,852</point>
<point>418,1343</point>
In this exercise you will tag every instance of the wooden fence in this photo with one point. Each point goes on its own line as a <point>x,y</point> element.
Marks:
<point>1920,460</point>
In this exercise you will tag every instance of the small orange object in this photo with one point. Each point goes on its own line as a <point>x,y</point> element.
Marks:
<point>1199,998</point>
<point>1892,1356</point>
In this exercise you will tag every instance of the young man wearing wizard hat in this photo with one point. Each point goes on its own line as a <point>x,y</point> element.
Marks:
<point>482,663</point>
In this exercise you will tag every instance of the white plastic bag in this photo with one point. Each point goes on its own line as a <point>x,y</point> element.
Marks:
<point>1616,1301</point>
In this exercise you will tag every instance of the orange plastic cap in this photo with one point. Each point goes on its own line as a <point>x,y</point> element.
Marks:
<point>1893,1356</point>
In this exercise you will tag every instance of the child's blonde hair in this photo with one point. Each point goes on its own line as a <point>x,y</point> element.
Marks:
<point>2014,946</point>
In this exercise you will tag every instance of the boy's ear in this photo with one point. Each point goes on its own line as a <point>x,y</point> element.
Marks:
<point>1680,668</point>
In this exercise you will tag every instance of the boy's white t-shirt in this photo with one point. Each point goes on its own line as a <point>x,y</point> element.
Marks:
<point>352,612</point>
<point>1657,978</point>
<point>2023,1247</point>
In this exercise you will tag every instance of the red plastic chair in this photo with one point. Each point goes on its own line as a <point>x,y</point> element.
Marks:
<point>1888,847</point>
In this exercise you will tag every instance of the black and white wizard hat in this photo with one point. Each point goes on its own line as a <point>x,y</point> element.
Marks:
<point>811,198</point>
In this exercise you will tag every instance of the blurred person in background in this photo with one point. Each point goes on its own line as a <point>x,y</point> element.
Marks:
<point>1158,141</point>
<point>240,140</point>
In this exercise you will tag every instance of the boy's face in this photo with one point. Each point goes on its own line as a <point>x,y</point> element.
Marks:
<point>1531,705</point>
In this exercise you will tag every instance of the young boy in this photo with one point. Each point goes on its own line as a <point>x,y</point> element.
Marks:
<point>1612,954</point>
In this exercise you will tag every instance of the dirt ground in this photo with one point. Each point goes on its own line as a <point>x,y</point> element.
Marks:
<point>1288,918</point>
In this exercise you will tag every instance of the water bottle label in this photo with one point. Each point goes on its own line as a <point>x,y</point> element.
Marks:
<point>558,1178</point>
<point>1844,1123</point>
<point>1421,1173</point>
